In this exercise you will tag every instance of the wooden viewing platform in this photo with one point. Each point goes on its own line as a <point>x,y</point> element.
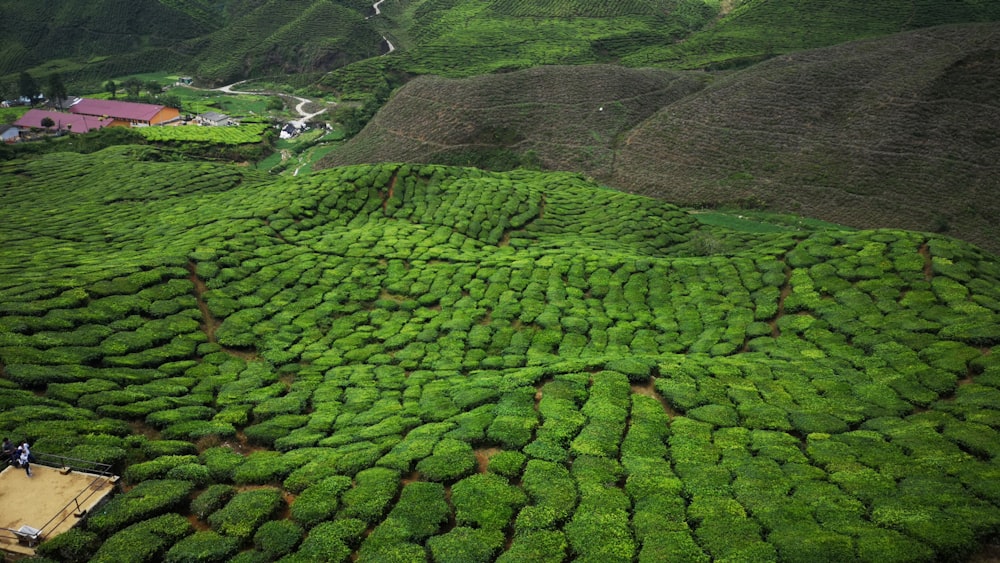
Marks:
<point>50,502</point>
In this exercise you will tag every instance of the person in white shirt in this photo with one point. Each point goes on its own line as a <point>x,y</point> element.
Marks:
<point>25,462</point>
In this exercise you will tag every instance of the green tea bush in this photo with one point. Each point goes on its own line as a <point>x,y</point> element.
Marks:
<point>373,490</point>
<point>515,418</point>
<point>277,538</point>
<point>221,461</point>
<point>211,499</point>
<point>716,415</point>
<point>143,542</point>
<point>265,433</point>
<point>637,369</point>
<point>193,472</point>
<point>203,546</point>
<point>329,541</point>
<point>166,418</point>
<point>245,512</point>
<point>486,501</point>
<point>197,429</point>
<point>890,546</point>
<point>322,466</point>
<point>543,546</point>
<point>72,546</point>
<point>419,514</point>
<point>149,498</point>
<point>466,545</point>
<point>507,463</point>
<point>320,501</point>
<point>452,459</point>
<point>156,468</point>
<point>554,495</point>
<point>263,467</point>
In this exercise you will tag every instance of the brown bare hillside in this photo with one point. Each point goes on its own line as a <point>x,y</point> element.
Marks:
<point>562,117</point>
<point>902,131</point>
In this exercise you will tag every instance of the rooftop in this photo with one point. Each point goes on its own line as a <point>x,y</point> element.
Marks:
<point>131,111</point>
<point>62,121</point>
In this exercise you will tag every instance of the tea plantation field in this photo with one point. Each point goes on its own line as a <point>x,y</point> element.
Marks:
<point>424,363</point>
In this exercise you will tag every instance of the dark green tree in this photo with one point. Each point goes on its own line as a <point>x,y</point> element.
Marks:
<point>47,122</point>
<point>111,88</point>
<point>170,101</point>
<point>132,86</point>
<point>27,87</point>
<point>154,87</point>
<point>7,90</point>
<point>56,90</point>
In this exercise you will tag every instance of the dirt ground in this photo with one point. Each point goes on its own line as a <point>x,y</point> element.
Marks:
<point>45,498</point>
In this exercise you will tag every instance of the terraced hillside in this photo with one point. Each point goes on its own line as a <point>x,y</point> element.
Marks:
<point>282,37</point>
<point>425,363</point>
<point>755,30</point>
<point>897,131</point>
<point>893,132</point>
<point>468,37</point>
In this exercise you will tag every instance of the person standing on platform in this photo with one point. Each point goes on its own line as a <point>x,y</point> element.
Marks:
<point>25,462</point>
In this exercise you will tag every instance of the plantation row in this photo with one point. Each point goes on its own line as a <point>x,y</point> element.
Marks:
<point>422,363</point>
<point>237,135</point>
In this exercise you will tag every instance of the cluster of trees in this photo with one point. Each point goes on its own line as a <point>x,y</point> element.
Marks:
<point>132,87</point>
<point>54,88</point>
<point>28,88</point>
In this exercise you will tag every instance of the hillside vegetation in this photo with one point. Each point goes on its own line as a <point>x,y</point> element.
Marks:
<point>466,37</point>
<point>480,366</point>
<point>218,42</point>
<point>89,42</point>
<point>95,39</point>
<point>896,131</point>
<point>287,36</point>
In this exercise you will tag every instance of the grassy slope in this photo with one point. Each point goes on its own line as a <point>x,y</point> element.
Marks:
<point>568,117</point>
<point>851,134</point>
<point>355,317</point>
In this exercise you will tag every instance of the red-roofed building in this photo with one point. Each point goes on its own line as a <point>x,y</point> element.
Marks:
<point>128,114</point>
<point>62,121</point>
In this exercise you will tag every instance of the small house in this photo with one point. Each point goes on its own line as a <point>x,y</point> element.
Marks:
<point>9,134</point>
<point>292,129</point>
<point>214,119</point>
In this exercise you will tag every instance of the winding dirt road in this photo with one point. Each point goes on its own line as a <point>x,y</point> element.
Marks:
<point>299,108</point>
